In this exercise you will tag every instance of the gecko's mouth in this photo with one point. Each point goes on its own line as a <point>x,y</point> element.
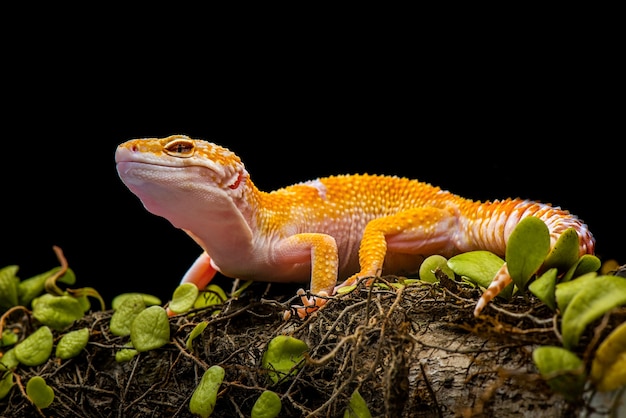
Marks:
<point>162,171</point>
<point>134,163</point>
<point>140,172</point>
<point>127,160</point>
<point>127,156</point>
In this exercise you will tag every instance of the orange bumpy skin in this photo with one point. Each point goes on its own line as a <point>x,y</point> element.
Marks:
<point>328,232</point>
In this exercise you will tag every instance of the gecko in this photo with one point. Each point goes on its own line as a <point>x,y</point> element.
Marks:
<point>329,232</point>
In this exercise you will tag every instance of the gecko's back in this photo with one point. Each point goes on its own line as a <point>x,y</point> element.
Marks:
<point>343,205</point>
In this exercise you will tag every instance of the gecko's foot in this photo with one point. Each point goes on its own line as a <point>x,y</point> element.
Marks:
<point>310,305</point>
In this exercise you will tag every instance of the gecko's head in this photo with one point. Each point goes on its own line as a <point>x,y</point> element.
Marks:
<point>182,151</point>
<point>169,173</point>
<point>138,158</point>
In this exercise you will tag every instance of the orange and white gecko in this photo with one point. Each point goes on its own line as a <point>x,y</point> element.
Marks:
<point>343,227</point>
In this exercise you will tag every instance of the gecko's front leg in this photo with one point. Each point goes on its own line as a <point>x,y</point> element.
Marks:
<point>321,251</point>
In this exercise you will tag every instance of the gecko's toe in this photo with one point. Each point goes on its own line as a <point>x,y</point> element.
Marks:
<point>310,304</point>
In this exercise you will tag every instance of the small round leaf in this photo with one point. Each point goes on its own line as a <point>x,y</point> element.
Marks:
<point>39,392</point>
<point>204,397</point>
<point>590,304</point>
<point>150,329</point>
<point>212,295</point>
<point>565,252</point>
<point>184,297</point>
<point>72,343</point>
<point>565,291</point>
<point>6,383</point>
<point>34,286</point>
<point>563,370</point>
<point>9,361</point>
<point>8,286</point>
<point>148,299</point>
<point>8,338</point>
<point>526,249</point>
<point>57,312</point>
<point>36,348</point>
<point>480,267</point>
<point>126,312</point>
<point>432,264</point>
<point>587,263</point>
<point>544,287</point>
<point>267,405</point>
<point>283,356</point>
<point>125,354</point>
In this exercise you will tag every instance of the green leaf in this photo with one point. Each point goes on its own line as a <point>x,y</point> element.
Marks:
<point>126,312</point>
<point>565,252</point>
<point>148,299</point>
<point>345,289</point>
<point>8,360</point>
<point>8,286</point>
<point>608,368</point>
<point>480,267</point>
<point>125,354</point>
<point>39,392</point>
<point>212,295</point>
<point>587,263</point>
<point>150,329</point>
<point>36,348</point>
<point>83,301</point>
<point>57,312</point>
<point>204,397</point>
<point>357,408</point>
<point>526,250</point>
<point>8,338</point>
<point>68,278</point>
<point>6,383</point>
<point>565,291</point>
<point>195,332</point>
<point>82,295</point>
<point>431,264</point>
<point>267,405</point>
<point>544,288</point>
<point>184,297</point>
<point>563,370</point>
<point>34,286</point>
<point>589,304</point>
<point>283,357</point>
<point>72,343</point>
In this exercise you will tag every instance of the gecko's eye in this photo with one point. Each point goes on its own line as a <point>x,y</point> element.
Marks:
<point>181,148</point>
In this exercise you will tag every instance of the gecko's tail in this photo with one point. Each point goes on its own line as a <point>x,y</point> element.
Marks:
<point>558,221</point>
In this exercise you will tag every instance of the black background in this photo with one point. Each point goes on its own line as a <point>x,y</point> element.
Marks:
<point>485,126</point>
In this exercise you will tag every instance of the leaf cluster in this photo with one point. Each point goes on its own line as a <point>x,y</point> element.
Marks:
<point>48,308</point>
<point>566,283</point>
